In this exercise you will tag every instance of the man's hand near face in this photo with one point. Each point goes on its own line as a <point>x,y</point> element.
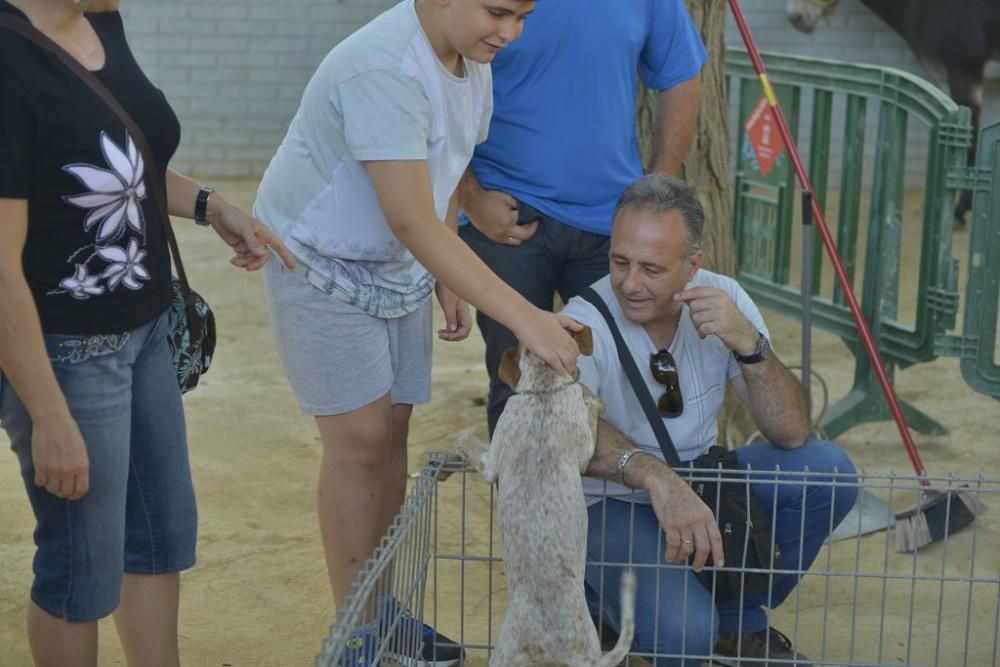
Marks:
<point>714,313</point>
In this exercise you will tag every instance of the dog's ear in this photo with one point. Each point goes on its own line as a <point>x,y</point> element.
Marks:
<point>584,340</point>
<point>509,371</point>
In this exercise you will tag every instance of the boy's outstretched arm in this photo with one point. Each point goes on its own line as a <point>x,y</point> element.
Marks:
<point>404,192</point>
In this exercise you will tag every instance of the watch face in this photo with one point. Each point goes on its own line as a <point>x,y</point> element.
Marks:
<point>763,347</point>
<point>761,351</point>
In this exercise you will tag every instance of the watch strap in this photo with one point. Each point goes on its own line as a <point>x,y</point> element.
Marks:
<point>201,205</point>
<point>759,353</point>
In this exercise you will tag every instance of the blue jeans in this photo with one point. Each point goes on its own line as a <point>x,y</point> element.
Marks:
<point>557,258</point>
<point>675,614</point>
<point>139,515</point>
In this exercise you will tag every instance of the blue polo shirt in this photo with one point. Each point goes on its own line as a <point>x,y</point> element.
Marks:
<point>562,137</point>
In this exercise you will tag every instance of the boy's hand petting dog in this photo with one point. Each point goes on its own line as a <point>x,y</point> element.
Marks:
<point>549,336</point>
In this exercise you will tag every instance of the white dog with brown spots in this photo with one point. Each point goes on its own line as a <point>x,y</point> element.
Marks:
<point>543,441</point>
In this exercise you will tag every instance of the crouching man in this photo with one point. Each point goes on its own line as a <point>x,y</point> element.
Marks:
<point>690,331</point>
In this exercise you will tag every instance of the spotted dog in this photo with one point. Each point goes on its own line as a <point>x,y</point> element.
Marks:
<point>542,443</point>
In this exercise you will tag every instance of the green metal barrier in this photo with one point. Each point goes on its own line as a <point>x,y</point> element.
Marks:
<point>977,348</point>
<point>766,211</point>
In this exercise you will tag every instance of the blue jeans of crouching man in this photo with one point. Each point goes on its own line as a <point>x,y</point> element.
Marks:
<point>675,614</point>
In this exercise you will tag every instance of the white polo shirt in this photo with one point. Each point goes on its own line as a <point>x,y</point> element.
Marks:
<point>703,367</point>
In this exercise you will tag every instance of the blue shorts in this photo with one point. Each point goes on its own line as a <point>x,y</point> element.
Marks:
<point>139,515</point>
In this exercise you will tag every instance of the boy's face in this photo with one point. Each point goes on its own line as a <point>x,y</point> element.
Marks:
<point>650,263</point>
<point>478,29</point>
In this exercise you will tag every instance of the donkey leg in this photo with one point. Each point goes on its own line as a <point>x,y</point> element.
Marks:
<point>965,84</point>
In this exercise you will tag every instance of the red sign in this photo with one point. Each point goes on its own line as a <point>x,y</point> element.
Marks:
<point>762,131</point>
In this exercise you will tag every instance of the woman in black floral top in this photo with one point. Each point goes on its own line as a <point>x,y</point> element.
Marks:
<point>88,392</point>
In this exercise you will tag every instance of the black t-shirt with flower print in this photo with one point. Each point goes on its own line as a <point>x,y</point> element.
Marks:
<point>95,257</point>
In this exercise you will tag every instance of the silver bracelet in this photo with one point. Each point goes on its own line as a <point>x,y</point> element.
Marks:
<point>623,461</point>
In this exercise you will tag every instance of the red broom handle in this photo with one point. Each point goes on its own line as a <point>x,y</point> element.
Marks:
<point>831,248</point>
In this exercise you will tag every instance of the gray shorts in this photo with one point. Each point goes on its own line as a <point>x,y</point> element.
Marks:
<point>337,357</point>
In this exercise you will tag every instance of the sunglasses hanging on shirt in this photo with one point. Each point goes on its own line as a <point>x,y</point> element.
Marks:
<point>664,370</point>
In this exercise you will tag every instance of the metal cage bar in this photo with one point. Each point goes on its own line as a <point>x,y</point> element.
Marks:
<point>859,604</point>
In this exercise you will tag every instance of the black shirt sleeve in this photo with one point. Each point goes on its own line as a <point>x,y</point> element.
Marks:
<point>17,131</point>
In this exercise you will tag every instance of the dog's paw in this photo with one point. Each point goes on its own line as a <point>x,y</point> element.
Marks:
<point>595,408</point>
<point>475,453</point>
<point>469,447</point>
<point>594,405</point>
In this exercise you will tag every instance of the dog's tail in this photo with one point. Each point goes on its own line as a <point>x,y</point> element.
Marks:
<point>621,649</point>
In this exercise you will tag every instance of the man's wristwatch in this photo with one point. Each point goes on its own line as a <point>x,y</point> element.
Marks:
<point>761,351</point>
<point>201,206</point>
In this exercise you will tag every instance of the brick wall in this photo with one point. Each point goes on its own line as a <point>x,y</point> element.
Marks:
<point>234,69</point>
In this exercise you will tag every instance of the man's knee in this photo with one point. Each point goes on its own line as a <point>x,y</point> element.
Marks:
<point>826,456</point>
<point>828,463</point>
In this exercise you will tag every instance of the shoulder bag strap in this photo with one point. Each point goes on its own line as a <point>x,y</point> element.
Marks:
<point>638,385</point>
<point>31,33</point>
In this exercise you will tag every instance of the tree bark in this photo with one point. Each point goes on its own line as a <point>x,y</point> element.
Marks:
<point>707,167</point>
<point>707,163</point>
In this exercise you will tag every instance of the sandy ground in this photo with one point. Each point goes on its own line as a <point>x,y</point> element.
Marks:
<point>258,595</point>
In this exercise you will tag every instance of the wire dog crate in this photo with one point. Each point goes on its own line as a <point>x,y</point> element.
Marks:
<point>860,604</point>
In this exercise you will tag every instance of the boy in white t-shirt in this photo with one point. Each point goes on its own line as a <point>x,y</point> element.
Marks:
<point>362,192</point>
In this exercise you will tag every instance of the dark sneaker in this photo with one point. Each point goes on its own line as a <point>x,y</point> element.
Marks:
<point>414,643</point>
<point>757,649</point>
<point>361,649</point>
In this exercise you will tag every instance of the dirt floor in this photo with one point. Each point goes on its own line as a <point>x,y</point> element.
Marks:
<point>259,594</point>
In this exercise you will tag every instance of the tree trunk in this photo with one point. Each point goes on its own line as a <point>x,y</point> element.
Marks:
<point>707,163</point>
<point>707,167</point>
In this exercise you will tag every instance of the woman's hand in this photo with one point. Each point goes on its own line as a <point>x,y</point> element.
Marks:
<point>60,457</point>
<point>245,235</point>
<point>458,320</point>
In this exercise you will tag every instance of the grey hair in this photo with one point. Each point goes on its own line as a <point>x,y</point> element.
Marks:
<point>657,193</point>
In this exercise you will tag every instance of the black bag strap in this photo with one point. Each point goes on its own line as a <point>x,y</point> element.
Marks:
<point>33,34</point>
<point>638,385</point>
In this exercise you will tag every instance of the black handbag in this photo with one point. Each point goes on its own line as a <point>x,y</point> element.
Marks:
<point>717,478</point>
<point>744,521</point>
<point>191,322</point>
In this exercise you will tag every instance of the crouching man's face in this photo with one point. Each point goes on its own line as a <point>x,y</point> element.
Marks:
<point>650,262</point>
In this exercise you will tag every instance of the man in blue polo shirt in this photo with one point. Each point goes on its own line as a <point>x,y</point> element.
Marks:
<point>540,192</point>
